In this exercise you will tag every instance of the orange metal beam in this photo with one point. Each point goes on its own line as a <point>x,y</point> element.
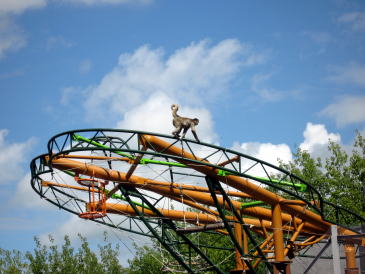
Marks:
<point>152,185</point>
<point>48,183</point>
<point>269,244</point>
<point>170,185</point>
<point>236,182</point>
<point>254,222</point>
<point>191,217</point>
<point>294,237</point>
<point>277,226</point>
<point>238,236</point>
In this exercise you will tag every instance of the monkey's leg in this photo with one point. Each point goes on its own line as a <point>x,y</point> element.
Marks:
<point>195,135</point>
<point>176,132</point>
<point>184,132</point>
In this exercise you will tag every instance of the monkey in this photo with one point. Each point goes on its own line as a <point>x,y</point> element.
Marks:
<point>183,123</point>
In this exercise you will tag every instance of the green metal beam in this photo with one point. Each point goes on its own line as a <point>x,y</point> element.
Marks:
<point>251,204</point>
<point>144,161</point>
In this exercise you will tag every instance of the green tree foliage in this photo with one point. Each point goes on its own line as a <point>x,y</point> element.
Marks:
<point>340,178</point>
<point>51,258</point>
<point>146,260</point>
<point>12,262</point>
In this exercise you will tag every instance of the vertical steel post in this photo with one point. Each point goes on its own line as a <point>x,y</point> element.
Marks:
<point>335,250</point>
<point>280,264</point>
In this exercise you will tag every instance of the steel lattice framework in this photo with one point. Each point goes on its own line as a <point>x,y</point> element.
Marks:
<point>177,191</point>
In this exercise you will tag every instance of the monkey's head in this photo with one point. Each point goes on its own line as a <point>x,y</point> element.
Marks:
<point>174,107</point>
<point>196,121</point>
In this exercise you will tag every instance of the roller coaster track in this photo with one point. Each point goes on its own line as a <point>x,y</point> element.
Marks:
<point>134,180</point>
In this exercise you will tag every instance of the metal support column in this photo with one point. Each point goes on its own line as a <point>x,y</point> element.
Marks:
<point>280,265</point>
<point>335,250</point>
<point>277,226</point>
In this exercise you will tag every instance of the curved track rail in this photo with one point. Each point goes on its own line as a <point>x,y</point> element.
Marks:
<point>179,191</point>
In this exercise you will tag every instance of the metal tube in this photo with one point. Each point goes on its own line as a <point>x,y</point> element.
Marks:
<point>238,235</point>
<point>155,186</point>
<point>278,233</point>
<point>294,237</point>
<point>335,250</point>
<point>191,217</point>
<point>350,252</point>
<point>234,181</point>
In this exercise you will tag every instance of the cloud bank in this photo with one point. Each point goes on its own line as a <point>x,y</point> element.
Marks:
<point>12,37</point>
<point>346,110</point>
<point>352,73</point>
<point>19,6</point>
<point>107,2</point>
<point>355,19</point>
<point>138,92</point>
<point>316,139</point>
<point>12,158</point>
<point>192,75</point>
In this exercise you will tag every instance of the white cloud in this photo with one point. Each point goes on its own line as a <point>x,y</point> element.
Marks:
<point>19,6</point>
<point>191,75</point>
<point>106,2</point>
<point>355,19</point>
<point>353,74</point>
<point>316,138</point>
<point>152,115</point>
<point>319,37</point>
<point>67,94</point>
<point>12,37</point>
<point>259,86</point>
<point>267,152</point>
<point>75,225</point>
<point>347,110</point>
<point>58,41</point>
<point>26,197</point>
<point>12,156</point>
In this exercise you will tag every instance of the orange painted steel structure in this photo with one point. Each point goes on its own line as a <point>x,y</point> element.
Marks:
<point>148,184</point>
<point>278,216</point>
<point>237,182</point>
<point>160,187</point>
<point>260,194</point>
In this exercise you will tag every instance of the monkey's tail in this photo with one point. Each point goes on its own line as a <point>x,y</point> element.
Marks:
<point>174,109</point>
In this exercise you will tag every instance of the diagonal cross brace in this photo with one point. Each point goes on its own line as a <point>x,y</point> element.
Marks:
<point>126,191</point>
<point>214,185</point>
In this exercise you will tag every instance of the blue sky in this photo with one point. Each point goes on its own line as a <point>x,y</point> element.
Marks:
<point>263,77</point>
